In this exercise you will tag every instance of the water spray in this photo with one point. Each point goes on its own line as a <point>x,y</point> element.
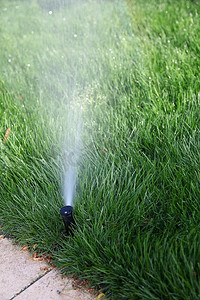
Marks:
<point>66,213</point>
<point>70,175</point>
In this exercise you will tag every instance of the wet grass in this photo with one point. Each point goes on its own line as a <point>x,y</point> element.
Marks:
<point>131,72</point>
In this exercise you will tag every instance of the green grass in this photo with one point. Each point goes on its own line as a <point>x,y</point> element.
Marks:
<point>130,71</point>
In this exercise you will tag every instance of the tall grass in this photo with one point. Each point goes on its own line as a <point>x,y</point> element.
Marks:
<point>133,72</point>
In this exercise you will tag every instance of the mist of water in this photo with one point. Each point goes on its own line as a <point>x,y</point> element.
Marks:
<point>72,156</point>
<point>69,185</point>
<point>70,67</point>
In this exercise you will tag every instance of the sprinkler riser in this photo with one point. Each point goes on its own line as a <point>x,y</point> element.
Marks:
<point>67,216</point>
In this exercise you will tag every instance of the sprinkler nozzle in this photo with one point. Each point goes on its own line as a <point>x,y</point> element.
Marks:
<point>66,213</point>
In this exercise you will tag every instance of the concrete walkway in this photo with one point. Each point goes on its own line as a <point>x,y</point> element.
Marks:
<point>24,277</point>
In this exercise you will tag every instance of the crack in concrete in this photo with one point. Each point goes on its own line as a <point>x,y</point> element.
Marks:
<point>31,283</point>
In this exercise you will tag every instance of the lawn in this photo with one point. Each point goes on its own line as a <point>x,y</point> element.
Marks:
<point>125,76</point>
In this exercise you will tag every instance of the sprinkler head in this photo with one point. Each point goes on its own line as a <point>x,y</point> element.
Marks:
<point>66,213</point>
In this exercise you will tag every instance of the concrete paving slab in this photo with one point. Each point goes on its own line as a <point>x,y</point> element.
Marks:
<point>16,270</point>
<point>53,287</point>
<point>22,278</point>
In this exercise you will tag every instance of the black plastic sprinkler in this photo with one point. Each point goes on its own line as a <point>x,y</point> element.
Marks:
<point>66,213</point>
